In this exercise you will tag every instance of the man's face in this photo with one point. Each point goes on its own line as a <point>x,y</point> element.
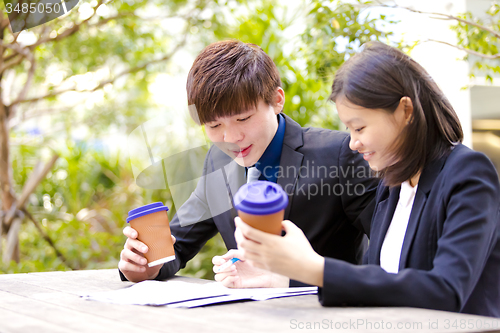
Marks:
<point>245,137</point>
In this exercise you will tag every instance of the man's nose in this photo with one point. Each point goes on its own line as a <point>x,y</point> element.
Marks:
<point>232,135</point>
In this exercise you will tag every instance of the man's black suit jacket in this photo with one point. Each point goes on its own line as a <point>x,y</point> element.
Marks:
<point>331,197</point>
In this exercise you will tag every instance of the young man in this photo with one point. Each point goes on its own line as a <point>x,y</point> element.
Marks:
<point>236,89</point>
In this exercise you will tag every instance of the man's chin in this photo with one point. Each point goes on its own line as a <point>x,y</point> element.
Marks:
<point>244,162</point>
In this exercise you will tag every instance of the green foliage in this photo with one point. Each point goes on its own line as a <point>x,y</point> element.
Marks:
<point>83,202</point>
<point>331,31</point>
<point>477,38</point>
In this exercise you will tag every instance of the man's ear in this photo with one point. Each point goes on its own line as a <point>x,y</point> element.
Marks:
<point>408,108</point>
<point>279,100</point>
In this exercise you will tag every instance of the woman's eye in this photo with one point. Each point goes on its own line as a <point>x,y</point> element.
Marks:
<point>359,129</point>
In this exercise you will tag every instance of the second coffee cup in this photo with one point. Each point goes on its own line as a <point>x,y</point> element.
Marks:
<point>151,223</point>
<point>261,205</point>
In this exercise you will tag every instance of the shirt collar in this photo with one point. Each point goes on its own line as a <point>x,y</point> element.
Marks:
<point>407,194</point>
<point>269,162</point>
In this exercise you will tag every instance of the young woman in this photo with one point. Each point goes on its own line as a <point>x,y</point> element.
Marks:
<point>434,235</point>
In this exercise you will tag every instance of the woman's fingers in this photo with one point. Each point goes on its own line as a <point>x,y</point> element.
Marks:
<point>247,231</point>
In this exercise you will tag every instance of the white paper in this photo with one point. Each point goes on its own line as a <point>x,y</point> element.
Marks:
<point>186,295</point>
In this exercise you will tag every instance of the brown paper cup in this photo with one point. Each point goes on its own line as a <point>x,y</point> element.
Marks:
<point>154,231</point>
<point>268,223</point>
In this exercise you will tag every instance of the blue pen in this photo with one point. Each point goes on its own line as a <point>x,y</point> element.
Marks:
<point>229,263</point>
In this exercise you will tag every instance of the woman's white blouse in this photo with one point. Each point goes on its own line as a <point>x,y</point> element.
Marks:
<point>393,241</point>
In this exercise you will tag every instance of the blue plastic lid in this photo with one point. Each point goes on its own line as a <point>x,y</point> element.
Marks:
<point>145,210</point>
<point>260,198</point>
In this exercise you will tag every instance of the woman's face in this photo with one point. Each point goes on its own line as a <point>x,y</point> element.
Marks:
<point>374,131</point>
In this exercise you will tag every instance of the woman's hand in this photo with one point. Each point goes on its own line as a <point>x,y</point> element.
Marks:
<point>290,255</point>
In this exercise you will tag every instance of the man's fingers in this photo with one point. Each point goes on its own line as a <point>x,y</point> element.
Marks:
<point>136,244</point>
<point>218,260</point>
<point>231,254</point>
<point>173,239</point>
<point>130,232</point>
<point>227,272</point>
<point>131,256</point>
<point>126,266</point>
<point>230,281</point>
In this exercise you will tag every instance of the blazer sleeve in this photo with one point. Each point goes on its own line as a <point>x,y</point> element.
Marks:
<point>192,226</point>
<point>464,244</point>
<point>358,187</point>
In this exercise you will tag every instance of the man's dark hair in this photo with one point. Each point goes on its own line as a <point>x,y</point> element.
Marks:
<point>230,77</point>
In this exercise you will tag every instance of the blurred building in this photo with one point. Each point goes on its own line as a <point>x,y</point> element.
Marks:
<point>476,101</point>
<point>485,99</point>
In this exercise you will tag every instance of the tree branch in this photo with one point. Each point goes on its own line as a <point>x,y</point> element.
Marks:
<point>35,178</point>
<point>40,113</point>
<point>4,22</point>
<point>19,51</point>
<point>27,85</point>
<point>12,246</point>
<point>105,82</point>
<point>447,17</point>
<point>48,239</point>
<point>478,54</point>
<point>68,32</point>
<point>11,60</point>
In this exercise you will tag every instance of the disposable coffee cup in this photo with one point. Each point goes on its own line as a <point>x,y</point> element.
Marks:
<point>152,226</point>
<point>261,205</point>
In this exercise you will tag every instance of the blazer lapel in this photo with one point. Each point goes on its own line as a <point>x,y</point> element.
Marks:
<point>416,211</point>
<point>235,178</point>
<point>427,179</point>
<point>291,160</point>
<point>382,217</point>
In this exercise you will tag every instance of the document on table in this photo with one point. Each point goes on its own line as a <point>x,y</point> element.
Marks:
<point>188,295</point>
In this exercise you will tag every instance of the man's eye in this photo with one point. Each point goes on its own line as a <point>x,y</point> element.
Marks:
<point>244,119</point>
<point>213,126</point>
<point>359,129</point>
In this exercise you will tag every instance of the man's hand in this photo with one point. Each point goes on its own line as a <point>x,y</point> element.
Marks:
<point>242,275</point>
<point>132,263</point>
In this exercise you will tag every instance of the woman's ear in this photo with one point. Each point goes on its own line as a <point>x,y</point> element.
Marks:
<point>408,108</point>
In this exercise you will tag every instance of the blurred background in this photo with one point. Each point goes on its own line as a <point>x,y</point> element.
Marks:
<point>74,89</point>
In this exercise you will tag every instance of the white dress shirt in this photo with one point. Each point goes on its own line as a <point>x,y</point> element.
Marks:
<point>253,174</point>
<point>393,241</point>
